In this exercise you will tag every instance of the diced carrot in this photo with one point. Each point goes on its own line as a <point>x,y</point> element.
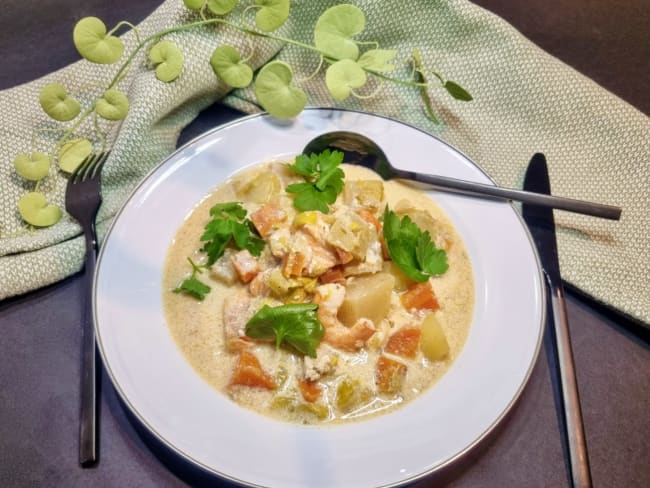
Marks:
<point>245,265</point>
<point>369,217</point>
<point>310,390</point>
<point>292,264</point>
<point>267,217</point>
<point>344,256</point>
<point>389,375</point>
<point>405,342</point>
<point>420,296</point>
<point>248,372</point>
<point>333,275</point>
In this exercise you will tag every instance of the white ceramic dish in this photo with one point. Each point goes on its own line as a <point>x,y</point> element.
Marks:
<point>205,427</point>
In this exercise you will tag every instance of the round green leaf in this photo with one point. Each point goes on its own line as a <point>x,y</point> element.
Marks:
<point>194,4</point>
<point>274,91</point>
<point>169,59</point>
<point>113,105</point>
<point>35,210</point>
<point>222,7</point>
<point>32,167</point>
<point>57,104</point>
<point>335,28</point>
<point>378,60</point>
<point>227,65</point>
<point>94,44</point>
<point>73,152</point>
<point>272,15</point>
<point>342,77</point>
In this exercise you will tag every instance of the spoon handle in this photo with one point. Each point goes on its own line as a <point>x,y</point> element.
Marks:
<point>444,183</point>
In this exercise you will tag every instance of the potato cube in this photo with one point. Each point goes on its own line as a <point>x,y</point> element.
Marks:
<point>402,281</point>
<point>433,342</point>
<point>367,296</point>
<point>367,193</point>
<point>259,189</point>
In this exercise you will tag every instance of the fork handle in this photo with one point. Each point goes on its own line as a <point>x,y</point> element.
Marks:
<point>471,188</point>
<point>88,415</point>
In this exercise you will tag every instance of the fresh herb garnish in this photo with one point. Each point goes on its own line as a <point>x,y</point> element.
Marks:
<point>295,324</point>
<point>192,285</point>
<point>411,248</point>
<point>324,180</point>
<point>229,225</point>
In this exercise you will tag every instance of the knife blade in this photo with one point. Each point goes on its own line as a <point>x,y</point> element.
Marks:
<point>541,224</point>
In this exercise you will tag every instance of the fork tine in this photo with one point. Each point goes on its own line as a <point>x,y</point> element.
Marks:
<point>97,165</point>
<point>89,168</point>
<point>78,174</point>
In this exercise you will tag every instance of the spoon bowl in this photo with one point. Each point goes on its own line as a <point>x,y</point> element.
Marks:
<point>360,150</point>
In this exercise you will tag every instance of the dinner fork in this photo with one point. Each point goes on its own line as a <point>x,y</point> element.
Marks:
<point>82,200</point>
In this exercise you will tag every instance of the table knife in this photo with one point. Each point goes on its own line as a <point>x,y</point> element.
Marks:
<point>541,224</point>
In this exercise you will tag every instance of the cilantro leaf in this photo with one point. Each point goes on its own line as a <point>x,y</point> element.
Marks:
<point>306,165</point>
<point>432,259</point>
<point>240,233</point>
<point>332,178</point>
<point>227,226</point>
<point>411,248</point>
<point>216,235</point>
<point>192,285</point>
<point>308,197</point>
<point>329,160</point>
<point>255,244</point>
<point>324,180</point>
<point>233,209</point>
<point>402,254</point>
<point>295,324</point>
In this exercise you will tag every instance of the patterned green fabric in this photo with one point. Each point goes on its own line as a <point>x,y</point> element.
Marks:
<point>526,101</point>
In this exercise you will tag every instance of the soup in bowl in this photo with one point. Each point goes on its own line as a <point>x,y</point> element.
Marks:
<point>314,292</point>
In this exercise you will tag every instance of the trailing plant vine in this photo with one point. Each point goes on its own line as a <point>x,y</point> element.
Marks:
<point>347,65</point>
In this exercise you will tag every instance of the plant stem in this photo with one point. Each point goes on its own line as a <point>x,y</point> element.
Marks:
<point>171,30</point>
<point>419,72</point>
<point>272,37</point>
<point>157,35</point>
<point>66,135</point>
<point>397,80</point>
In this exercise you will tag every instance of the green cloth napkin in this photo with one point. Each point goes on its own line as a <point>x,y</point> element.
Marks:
<point>525,101</point>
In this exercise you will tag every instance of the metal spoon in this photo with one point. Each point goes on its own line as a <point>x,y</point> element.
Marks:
<point>360,150</point>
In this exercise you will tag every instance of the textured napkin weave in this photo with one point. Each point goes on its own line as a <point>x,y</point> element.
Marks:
<point>525,101</point>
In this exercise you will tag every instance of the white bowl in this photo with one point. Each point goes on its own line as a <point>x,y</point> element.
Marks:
<point>202,425</point>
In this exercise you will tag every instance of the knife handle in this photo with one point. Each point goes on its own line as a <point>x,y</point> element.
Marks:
<point>445,183</point>
<point>580,471</point>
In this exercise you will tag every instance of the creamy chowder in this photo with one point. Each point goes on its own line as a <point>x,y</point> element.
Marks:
<point>368,337</point>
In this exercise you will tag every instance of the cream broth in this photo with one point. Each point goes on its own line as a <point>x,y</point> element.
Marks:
<point>344,380</point>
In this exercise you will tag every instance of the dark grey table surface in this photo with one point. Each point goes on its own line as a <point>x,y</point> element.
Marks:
<point>40,336</point>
